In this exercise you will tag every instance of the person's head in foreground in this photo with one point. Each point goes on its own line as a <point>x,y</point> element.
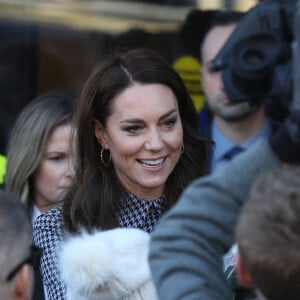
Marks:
<point>268,236</point>
<point>16,252</point>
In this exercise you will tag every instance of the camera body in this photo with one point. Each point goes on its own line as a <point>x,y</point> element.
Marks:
<point>256,63</point>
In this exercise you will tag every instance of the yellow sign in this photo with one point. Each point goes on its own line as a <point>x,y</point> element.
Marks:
<point>2,168</point>
<point>188,68</point>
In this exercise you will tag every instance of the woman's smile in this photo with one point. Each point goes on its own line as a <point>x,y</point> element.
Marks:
<point>153,165</point>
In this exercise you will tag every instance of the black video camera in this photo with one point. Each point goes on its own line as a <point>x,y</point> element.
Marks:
<point>256,62</point>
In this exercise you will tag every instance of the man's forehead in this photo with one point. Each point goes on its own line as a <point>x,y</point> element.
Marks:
<point>215,40</point>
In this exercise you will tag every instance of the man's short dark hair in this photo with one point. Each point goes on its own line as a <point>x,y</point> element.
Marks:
<point>268,234</point>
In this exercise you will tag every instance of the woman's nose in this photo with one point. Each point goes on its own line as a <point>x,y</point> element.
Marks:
<point>154,141</point>
<point>70,168</point>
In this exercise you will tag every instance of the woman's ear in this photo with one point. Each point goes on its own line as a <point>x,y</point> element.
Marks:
<point>100,134</point>
<point>242,274</point>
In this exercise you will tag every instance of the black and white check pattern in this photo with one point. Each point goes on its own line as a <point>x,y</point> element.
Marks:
<point>139,213</point>
<point>48,234</point>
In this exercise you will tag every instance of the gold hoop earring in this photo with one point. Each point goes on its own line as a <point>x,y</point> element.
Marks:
<point>102,159</point>
<point>182,148</point>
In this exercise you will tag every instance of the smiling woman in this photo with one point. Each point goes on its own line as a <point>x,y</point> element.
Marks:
<point>133,119</point>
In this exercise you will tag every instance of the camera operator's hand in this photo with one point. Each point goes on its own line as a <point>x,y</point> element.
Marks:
<point>285,141</point>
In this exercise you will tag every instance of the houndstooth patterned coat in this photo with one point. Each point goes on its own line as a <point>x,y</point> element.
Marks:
<point>48,234</point>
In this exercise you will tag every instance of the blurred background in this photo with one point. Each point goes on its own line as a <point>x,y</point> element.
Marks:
<point>53,44</point>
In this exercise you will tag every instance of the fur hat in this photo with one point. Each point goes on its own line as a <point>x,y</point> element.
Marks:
<point>108,265</point>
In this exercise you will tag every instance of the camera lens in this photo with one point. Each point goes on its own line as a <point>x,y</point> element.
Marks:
<point>253,57</point>
<point>252,62</point>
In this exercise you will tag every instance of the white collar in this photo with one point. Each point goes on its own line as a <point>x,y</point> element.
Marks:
<point>35,213</point>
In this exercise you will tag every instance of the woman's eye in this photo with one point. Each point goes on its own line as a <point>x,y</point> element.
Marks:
<point>169,123</point>
<point>132,129</point>
<point>56,158</point>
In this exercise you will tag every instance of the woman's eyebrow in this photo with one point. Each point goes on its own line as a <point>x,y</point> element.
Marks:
<point>132,121</point>
<point>168,113</point>
<point>138,121</point>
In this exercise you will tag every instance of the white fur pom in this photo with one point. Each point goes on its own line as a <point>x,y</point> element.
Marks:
<point>106,265</point>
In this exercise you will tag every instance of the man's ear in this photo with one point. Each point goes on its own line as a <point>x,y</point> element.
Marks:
<point>100,134</point>
<point>24,283</point>
<point>243,275</point>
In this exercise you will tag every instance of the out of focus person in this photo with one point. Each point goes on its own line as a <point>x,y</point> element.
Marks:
<point>16,252</point>
<point>268,237</point>
<point>40,156</point>
<point>234,127</point>
<point>188,245</point>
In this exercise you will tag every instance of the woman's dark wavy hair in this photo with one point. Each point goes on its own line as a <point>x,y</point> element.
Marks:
<point>93,199</point>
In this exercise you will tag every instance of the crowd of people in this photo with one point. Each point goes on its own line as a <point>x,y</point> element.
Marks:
<point>124,197</point>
